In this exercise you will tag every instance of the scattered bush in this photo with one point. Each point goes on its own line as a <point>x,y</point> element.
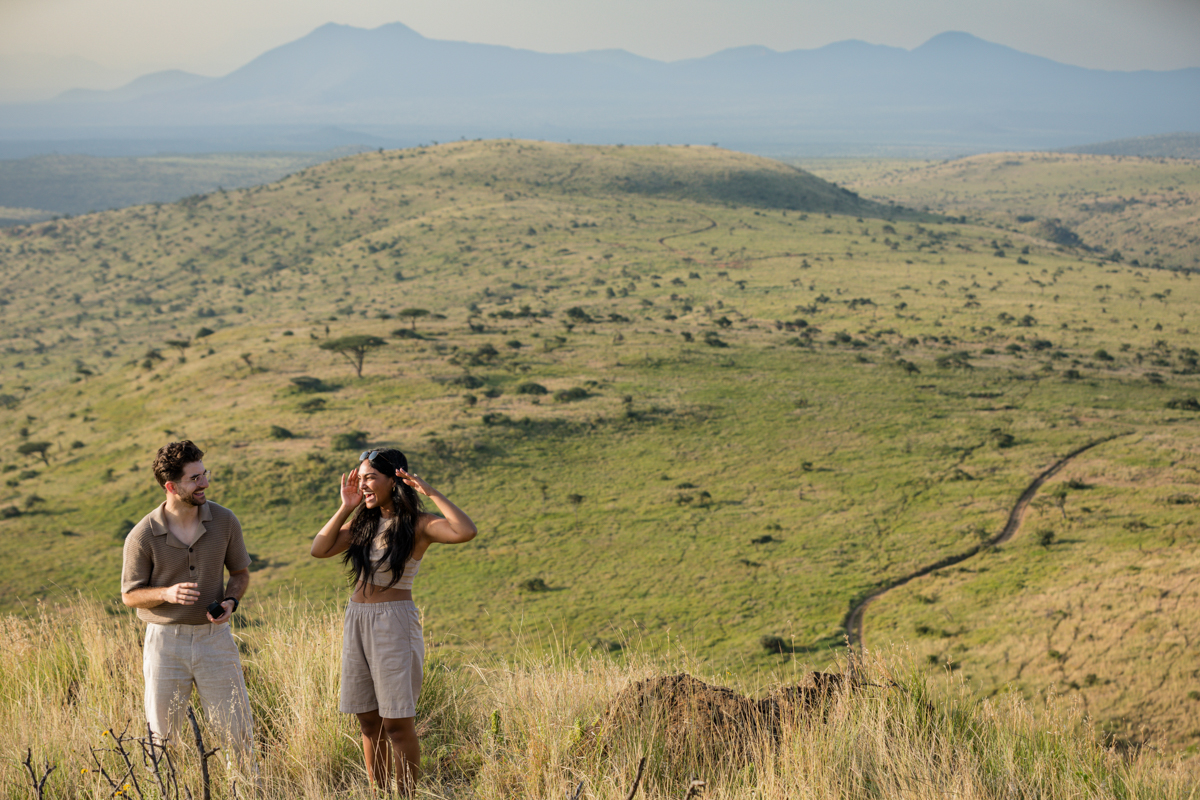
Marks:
<point>531,388</point>
<point>495,418</point>
<point>570,395</point>
<point>533,585</point>
<point>277,432</point>
<point>307,383</point>
<point>312,405</point>
<point>353,440</point>
<point>467,382</point>
<point>8,512</point>
<point>1184,404</point>
<point>774,644</point>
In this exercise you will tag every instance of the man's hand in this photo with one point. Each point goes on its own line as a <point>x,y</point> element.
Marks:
<point>182,594</point>
<point>226,613</point>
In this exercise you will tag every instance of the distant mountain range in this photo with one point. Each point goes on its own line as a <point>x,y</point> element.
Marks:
<point>390,85</point>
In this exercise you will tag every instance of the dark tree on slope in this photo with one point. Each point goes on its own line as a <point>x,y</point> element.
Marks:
<point>353,348</point>
<point>412,314</point>
<point>29,448</point>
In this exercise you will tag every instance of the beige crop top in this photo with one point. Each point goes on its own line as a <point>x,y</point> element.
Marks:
<point>383,571</point>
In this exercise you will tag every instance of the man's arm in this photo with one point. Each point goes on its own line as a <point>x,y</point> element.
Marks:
<point>239,581</point>
<point>184,594</point>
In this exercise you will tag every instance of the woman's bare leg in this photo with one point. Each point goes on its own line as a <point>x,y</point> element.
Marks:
<point>402,733</point>
<point>377,753</point>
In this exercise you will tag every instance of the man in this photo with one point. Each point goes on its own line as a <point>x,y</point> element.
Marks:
<point>173,574</point>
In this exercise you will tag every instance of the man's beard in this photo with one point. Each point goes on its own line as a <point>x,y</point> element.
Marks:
<point>191,500</point>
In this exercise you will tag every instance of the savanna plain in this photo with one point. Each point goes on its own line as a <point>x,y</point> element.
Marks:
<point>700,404</point>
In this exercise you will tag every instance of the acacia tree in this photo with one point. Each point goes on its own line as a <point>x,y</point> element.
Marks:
<point>353,348</point>
<point>413,314</point>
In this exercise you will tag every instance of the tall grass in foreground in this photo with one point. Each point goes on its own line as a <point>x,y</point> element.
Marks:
<point>536,727</point>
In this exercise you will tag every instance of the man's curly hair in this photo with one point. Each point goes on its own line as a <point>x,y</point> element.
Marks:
<point>171,458</point>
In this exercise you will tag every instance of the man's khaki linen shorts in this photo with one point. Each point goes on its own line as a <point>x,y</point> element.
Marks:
<point>383,657</point>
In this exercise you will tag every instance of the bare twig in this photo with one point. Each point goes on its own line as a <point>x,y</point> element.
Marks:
<point>578,792</point>
<point>154,754</point>
<point>39,784</point>
<point>637,780</point>
<point>120,740</point>
<point>203,755</point>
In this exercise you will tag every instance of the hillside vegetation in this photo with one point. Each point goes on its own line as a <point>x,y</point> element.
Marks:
<point>683,411</point>
<point>1140,211</point>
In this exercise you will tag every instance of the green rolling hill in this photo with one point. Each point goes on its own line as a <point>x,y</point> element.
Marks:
<point>692,398</point>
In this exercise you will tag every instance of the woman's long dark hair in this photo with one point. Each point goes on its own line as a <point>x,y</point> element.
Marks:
<point>400,535</point>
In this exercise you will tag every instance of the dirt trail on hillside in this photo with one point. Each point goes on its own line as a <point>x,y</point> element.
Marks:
<point>712,223</point>
<point>853,623</point>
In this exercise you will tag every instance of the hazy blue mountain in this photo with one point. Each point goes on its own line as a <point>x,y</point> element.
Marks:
<point>155,83</point>
<point>954,92</point>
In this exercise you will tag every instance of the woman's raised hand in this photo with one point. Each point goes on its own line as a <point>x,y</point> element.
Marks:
<point>415,482</point>
<point>351,490</point>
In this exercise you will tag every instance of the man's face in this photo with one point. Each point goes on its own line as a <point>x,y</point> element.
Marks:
<point>191,485</point>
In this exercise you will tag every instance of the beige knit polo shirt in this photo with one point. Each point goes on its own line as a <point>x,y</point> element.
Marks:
<point>154,557</point>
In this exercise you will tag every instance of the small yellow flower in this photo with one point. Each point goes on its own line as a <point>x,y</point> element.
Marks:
<point>84,771</point>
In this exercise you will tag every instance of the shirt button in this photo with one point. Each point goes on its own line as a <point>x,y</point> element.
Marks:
<point>189,549</point>
<point>191,567</point>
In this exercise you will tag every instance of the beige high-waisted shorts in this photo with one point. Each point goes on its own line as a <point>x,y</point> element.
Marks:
<point>383,657</point>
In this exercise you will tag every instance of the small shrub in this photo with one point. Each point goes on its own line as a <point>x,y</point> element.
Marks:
<point>774,644</point>
<point>353,440</point>
<point>1180,500</point>
<point>570,395</point>
<point>312,405</point>
<point>278,433</point>
<point>307,383</point>
<point>533,585</point>
<point>467,382</point>
<point>495,418</point>
<point>1184,404</point>
<point>8,512</point>
<point>531,388</point>
<point>1045,538</point>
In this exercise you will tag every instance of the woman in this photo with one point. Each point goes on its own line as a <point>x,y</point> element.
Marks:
<point>382,649</point>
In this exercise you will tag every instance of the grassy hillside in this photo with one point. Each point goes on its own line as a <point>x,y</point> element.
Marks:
<point>755,414</point>
<point>1140,211</point>
<point>1168,145</point>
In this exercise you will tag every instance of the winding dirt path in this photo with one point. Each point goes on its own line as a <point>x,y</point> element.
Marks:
<point>712,223</point>
<point>853,623</point>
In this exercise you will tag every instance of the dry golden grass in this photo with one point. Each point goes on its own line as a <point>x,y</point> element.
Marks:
<point>536,726</point>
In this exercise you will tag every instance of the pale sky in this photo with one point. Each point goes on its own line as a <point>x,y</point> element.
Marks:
<point>214,37</point>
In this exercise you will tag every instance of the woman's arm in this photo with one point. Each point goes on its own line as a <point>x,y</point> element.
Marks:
<point>455,528</point>
<point>334,537</point>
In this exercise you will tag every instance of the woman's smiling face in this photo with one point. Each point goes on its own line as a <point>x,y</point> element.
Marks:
<point>376,487</point>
